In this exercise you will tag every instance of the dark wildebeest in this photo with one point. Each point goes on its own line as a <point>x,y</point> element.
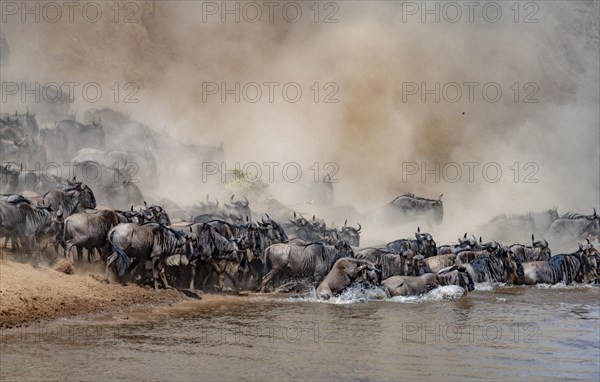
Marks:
<point>76,198</point>
<point>155,213</point>
<point>350,234</point>
<point>313,260</point>
<point>423,245</point>
<point>409,207</point>
<point>150,241</point>
<point>111,185</point>
<point>418,285</point>
<point>214,250</point>
<point>575,267</point>
<point>90,229</point>
<point>502,266</point>
<point>572,227</point>
<point>306,230</point>
<point>580,266</point>
<point>23,221</point>
<point>239,208</point>
<point>390,264</point>
<point>343,273</point>
<point>537,251</point>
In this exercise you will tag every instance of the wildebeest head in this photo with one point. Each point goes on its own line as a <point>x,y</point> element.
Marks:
<point>318,224</point>
<point>83,193</point>
<point>512,265</point>
<point>298,221</point>
<point>372,275</point>
<point>351,234</point>
<point>457,275</point>
<point>160,215</point>
<point>427,242</point>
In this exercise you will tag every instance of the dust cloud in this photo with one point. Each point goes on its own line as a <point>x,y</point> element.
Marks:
<point>367,60</point>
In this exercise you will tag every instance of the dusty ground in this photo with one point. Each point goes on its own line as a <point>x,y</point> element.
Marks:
<point>30,294</point>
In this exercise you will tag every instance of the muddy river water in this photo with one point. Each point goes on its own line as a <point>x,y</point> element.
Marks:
<point>494,333</point>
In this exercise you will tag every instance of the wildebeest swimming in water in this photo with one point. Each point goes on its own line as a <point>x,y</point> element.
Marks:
<point>581,266</point>
<point>343,273</point>
<point>418,285</point>
<point>537,251</point>
<point>408,207</point>
<point>503,266</point>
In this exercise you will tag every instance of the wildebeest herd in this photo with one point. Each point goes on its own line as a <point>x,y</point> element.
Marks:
<point>221,243</point>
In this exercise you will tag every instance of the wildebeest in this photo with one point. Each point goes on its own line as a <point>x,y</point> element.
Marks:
<point>343,273</point>
<point>21,220</point>
<point>214,250</point>
<point>80,135</point>
<point>390,264</point>
<point>418,285</point>
<point>313,260</point>
<point>537,251</point>
<point>573,227</point>
<point>240,208</point>
<point>76,198</point>
<point>580,266</point>
<point>89,230</point>
<point>149,241</point>
<point>502,266</point>
<point>111,185</point>
<point>423,245</point>
<point>55,141</point>
<point>574,267</point>
<point>409,207</point>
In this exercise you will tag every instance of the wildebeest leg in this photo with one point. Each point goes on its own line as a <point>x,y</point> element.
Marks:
<point>155,273</point>
<point>67,248</point>
<point>268,277</point>
<point>111,259</point>
<point>79,254</point>
<point>192,276</point>
<point>163,276</point>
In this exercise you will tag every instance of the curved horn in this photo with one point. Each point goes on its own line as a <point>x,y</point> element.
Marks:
<point>532,238</point>
<point>359,227</point>
<point>545,242</point>
<point>217,202</point>
<point>145,204</point>
<point>440,197</point>
<point>419,229</point>
<point>231,199</point>
<point>268,217</point>
<point>345,222</point>
<point>247,202</point>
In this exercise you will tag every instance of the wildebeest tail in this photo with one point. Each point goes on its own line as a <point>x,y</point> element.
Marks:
<point>122,259</point>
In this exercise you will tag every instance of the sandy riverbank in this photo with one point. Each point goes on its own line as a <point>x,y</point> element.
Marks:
<point>29,294</point>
